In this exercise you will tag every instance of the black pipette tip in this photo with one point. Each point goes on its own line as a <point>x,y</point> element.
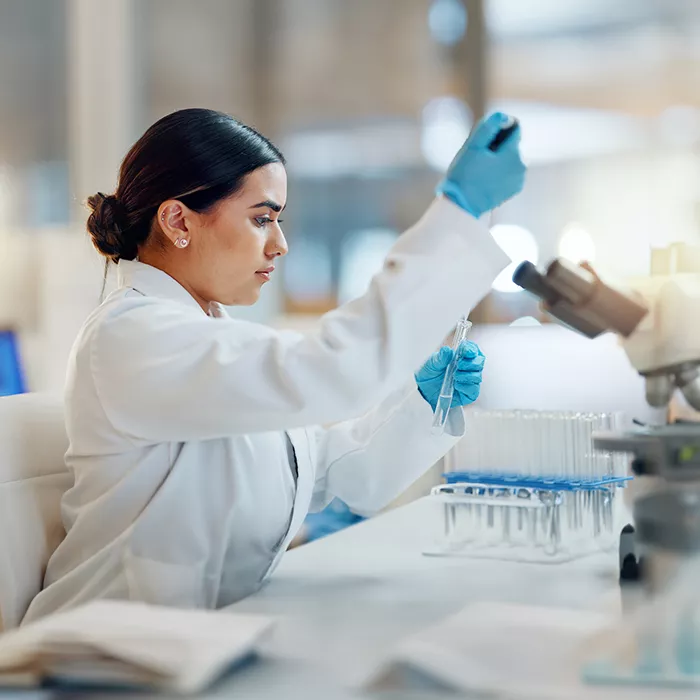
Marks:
<point>502,135</point>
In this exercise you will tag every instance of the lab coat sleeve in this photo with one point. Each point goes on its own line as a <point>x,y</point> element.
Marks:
<point>369,461</point>
<point>169,376</point>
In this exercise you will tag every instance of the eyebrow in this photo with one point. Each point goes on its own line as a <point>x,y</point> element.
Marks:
<point>269,204</point>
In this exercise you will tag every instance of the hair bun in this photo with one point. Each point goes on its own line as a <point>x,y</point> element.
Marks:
<point>106,225</point>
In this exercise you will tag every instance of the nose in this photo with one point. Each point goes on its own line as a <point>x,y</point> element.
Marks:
<point>276,244</point>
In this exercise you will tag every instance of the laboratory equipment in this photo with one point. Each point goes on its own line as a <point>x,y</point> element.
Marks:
<point>652,321</point>
<point>576,296</point>
<point>510,126</point>
<point>659,642</point>
<point>504,126</point>
<point>444,402</point>
<point>507,126</point>
<point>550,446</point>
<point>529,485</point>
<point>524,520</point>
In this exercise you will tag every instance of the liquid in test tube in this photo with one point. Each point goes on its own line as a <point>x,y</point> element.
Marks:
<point>444,402</point>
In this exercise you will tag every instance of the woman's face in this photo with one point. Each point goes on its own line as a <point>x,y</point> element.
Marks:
<point>231,250</point>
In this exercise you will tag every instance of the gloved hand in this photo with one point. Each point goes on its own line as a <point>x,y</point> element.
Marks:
<point>479,179</point>
<point>467,377</point>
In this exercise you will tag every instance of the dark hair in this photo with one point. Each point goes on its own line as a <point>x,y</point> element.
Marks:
<point>197,156</point>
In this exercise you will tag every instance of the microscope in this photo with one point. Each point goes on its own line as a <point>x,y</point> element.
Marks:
<point>659,333</point>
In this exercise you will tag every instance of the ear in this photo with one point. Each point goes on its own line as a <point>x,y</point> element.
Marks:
<point>172,218</point>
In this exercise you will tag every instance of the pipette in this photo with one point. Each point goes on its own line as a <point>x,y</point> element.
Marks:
<point>442,409</point>
<point>506,130</point>
<point>498,140</point>
<point>444,402</point>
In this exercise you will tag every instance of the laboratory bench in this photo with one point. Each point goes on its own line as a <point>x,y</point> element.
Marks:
<point>343,602</point>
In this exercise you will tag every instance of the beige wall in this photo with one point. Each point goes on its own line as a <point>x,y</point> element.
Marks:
<point>313,60</point>
<point>196,54</point>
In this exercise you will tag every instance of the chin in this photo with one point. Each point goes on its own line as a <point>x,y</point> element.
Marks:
<point>247,299</point>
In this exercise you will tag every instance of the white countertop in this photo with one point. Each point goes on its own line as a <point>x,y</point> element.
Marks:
<point>344,601</point>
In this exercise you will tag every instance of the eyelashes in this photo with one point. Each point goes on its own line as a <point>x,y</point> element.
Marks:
<point>263,221</point>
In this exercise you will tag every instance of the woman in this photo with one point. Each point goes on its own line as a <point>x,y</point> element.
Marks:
<point>194,438</point>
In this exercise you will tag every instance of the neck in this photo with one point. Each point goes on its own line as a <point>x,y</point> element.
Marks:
<point>164,263</point>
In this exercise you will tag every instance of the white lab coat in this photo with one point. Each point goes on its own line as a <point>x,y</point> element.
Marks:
<point>194,439</point>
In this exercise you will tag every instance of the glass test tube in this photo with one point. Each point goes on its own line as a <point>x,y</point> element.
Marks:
<point>444,402</point>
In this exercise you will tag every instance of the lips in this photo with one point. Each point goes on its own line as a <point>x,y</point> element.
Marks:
<point>265,274</point>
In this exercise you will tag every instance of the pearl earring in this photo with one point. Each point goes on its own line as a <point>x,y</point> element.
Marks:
<point>181,242</point>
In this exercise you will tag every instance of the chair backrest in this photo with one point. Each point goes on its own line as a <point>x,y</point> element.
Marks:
<point>33,478</point>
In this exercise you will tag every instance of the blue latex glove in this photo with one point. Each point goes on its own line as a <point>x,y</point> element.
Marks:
<point>479,179</point>
<point>335,517</point>
<point>467,377</point>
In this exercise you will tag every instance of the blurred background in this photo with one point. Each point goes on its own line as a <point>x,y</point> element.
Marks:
<point>369,100</point>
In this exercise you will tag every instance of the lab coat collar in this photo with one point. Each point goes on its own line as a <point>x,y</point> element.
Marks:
<point>152,282</point>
